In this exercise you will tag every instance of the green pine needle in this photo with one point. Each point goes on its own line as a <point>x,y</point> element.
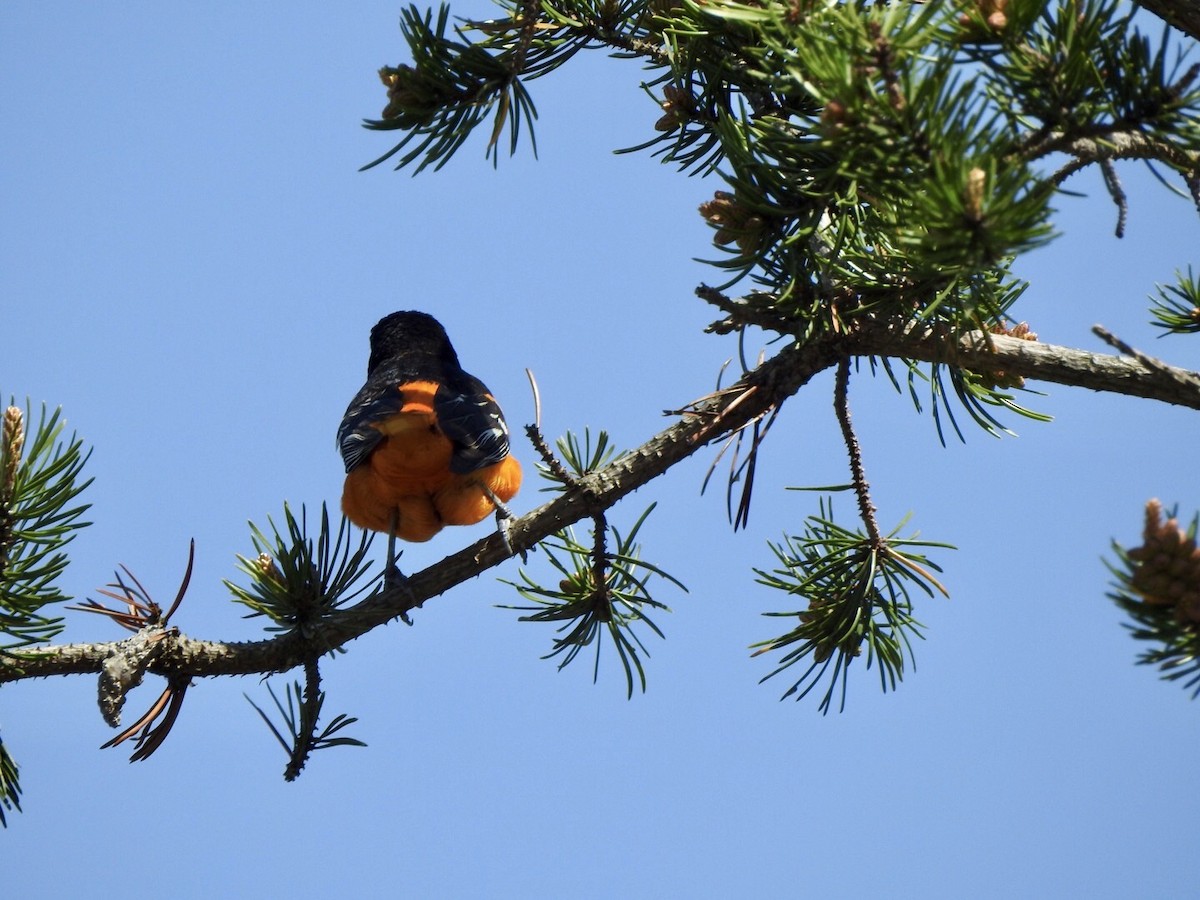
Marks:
<point>859,601</point>
<point>294,580</point>
<point>40,482</point>
<point>1176,309</point>
<point>588,612</point>
<point>10,786</point>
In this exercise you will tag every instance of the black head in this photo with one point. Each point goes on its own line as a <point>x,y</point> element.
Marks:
<point>409,333</point>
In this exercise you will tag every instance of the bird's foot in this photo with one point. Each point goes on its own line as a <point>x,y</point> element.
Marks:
<point>504,525</point>
<point>504,519</point>
<point>394,579</point>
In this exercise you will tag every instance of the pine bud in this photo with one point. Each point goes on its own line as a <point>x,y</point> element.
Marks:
<point>973,194</point>
<point>996,19</point>
<point>1166,568</point>
<point>1000,378</point>
<point>267,570</point>
<point>677,104</point>
<point>734,223</point>
<point>13,437</point>
<point>834,115</point>
<point>408,92</point>
<point>991,14</point>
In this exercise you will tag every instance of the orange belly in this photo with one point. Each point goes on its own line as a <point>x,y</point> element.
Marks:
<point>408,473</point>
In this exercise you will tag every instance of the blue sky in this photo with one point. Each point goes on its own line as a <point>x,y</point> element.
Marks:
<point>190,263</point>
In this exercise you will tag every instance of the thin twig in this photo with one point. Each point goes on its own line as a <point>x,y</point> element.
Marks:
<point>530,17</point>
<point>534,433</point>
<point>744,311</point>
<point>309,713</point>
<point>563,474</point>
<point>1190,379</point>
<point>553,463</point>
<point>862,490</point>
<point>537,398</point>
<point>1113,182</point>
<point>600,567</point>
<point>1112,144</point>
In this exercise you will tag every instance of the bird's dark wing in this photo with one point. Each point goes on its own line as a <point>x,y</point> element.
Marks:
<point>379,399</point>
<point>471,418</point>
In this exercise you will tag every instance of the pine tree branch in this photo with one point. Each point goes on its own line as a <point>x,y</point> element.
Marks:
<point>1112,145</point>
<point>719,415</point>
<point>982,352</point>
<point>767,385</point>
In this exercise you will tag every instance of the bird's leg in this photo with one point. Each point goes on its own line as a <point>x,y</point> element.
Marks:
<point>392,577</point>
<point>503,518</point>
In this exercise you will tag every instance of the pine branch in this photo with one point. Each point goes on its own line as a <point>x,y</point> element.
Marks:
<point>982,352</point>
<point>716,417</point>
<point>775,380</point>
<point>1113,145</point>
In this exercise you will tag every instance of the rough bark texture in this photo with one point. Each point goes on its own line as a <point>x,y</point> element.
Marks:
<point>1046,362</point>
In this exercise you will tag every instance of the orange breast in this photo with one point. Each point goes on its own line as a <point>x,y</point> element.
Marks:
<point>461,501</point>
<point>408,473</point>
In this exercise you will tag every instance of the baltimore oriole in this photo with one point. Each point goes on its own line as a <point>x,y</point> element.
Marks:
<point>425,443</point>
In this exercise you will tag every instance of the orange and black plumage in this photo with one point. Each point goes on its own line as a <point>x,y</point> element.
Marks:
<point>424,442</point>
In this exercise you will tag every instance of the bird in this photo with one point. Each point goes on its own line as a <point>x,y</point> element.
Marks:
<point>424,442</point>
